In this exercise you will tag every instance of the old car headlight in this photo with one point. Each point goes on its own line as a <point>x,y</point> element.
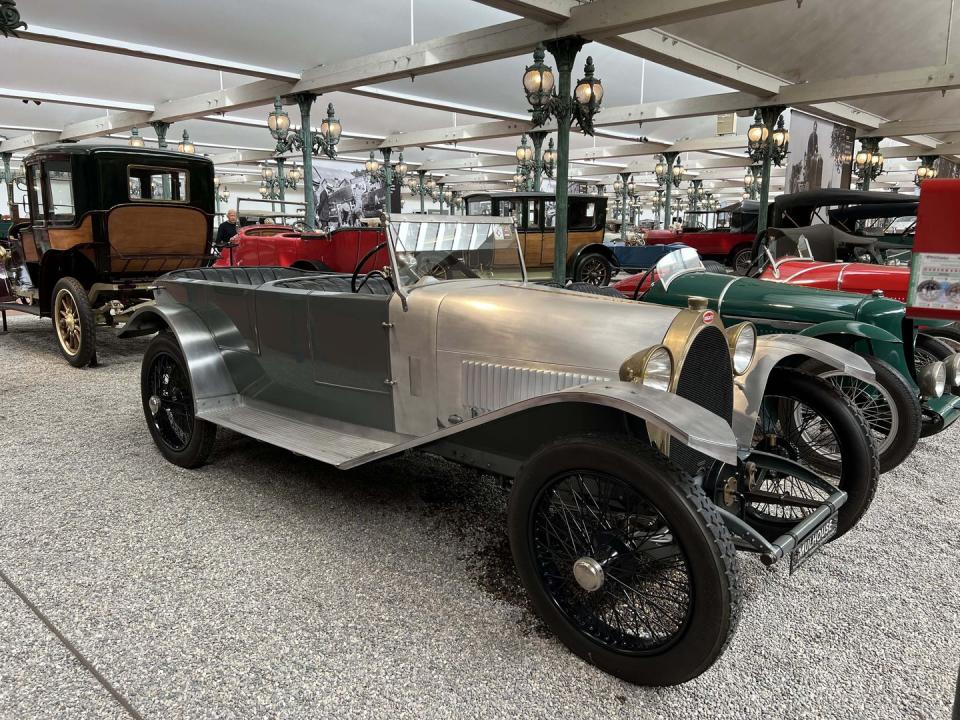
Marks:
<point>658,370</point>
<point>932,379</point>
<point>742,340</point>
<point>952,366</point>
<point>652,367</point>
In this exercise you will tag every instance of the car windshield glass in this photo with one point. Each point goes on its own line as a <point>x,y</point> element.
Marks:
<point>676,263</point>
<point>431,250</point>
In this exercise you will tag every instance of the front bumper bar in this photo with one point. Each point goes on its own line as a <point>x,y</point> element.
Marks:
<point>806,529</point>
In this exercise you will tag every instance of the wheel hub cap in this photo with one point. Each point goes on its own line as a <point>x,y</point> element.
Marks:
<point>588,573</point>
<point>154,404</point>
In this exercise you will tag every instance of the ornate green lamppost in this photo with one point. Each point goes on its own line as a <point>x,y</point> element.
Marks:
<point>621,189</point>
<point>669,172</point>
<point>868,163</point>
<point>695,194</point>
<point>160,128</point>
<point>421,185</point>
<point>383,171</point>
<point>540,161</point>
<point>547,101</point>
<point>926,170</point>
<point>751,182</point>
<point>10,18</point>
<point>309,142</point>
<point>657,204</point>
<point>273,183</point>
<point>8,181</point>
<point>767,145</point>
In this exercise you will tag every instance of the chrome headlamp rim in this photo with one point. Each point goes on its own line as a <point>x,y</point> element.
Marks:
<point>932,379</point>
<point>741,338</point>
<point>652,367</point>
<point>952,366</point>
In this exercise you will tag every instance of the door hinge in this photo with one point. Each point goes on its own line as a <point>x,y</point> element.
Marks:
<point>389,381</point>
<point>386,325</point>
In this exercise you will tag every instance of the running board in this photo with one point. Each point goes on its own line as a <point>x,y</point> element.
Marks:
<point>333,445</point>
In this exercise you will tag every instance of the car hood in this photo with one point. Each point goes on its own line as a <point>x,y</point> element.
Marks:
<point>748,298</point>
<point>527,323</point>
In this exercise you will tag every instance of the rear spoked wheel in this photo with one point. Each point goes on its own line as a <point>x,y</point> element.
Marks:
<point>808,420</point>
<point>168,405</point>
<point>624,558</point>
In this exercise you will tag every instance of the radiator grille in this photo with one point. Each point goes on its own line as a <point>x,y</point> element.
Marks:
<point>706,378</point>
<point>487,386</point>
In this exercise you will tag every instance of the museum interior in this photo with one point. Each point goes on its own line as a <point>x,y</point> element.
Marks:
<point>479,358</point>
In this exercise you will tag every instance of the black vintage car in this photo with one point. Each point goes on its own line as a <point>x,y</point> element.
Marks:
<point>105,220</point>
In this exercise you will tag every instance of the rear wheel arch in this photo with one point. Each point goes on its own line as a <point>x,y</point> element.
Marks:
<point>57,264</point>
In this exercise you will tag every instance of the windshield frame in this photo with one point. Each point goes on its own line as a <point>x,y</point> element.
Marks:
<point>390,221</point>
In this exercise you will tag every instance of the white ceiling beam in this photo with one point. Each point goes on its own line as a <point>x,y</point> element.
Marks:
<point>56,36</point>
<point>896,82</point>
<point>118,122</point>
<point>603,18</point>
<point>346,145</point>
<point>598,19</point>
<point>235,98</point>
<point>77,100</point>
<point>30,140</point>
<point>478,131</point>
<point>913,151</point>
<point>546,11</point>
<point>902,128</point>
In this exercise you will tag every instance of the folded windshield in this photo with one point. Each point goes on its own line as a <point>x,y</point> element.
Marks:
<point>455,248</point>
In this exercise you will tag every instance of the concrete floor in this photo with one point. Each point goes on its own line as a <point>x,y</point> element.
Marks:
<point>266,585</point>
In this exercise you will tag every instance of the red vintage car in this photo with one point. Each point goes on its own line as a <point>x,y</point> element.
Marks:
<point>339,250</point>
<point>729,239</point>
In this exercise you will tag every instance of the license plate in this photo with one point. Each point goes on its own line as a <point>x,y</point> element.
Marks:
<point>808,547</point>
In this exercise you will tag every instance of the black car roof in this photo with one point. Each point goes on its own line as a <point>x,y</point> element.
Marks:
<point>511,195</point>
<point>104,149</point>
<point>837,196</point>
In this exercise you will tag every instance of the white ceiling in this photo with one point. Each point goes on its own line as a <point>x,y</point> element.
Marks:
<point>820,39</point>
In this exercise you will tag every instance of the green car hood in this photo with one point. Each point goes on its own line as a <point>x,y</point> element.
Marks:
<point>776,307</point>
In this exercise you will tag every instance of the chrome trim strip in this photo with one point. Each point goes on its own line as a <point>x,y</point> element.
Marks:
<point>798,273</point>
<point>724,292</point>
<point>843,269</point>
<point>784,324</point>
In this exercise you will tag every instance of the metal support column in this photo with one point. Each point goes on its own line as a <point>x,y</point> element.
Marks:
<point>564,51</point>
<point>8,181</point>
<point>281,181</point>
<point>769,116</point>
<point>624,194</point>
<point>669,158</point>
<point>305,101</point>
<point>538,137</point>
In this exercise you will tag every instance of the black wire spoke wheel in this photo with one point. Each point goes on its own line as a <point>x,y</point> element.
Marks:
<point>875,404</point>
<point>611,563</point>
<point>593,269</point>
<point>742,260</point>
<point>171,402</point>
<point>790,428</point>
<point>929,349</point>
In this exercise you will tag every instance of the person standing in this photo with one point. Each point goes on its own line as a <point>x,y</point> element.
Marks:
<point>228,228</point>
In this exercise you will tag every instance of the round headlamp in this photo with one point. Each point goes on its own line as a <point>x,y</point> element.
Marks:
<point>742,340</point>
<point>658,369</point>
<point>952,366</point>
<point>932,379</point>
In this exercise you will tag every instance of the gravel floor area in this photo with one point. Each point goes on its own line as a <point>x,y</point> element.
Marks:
<point>266,585</point>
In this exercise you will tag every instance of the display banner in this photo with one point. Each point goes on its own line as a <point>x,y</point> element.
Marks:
<point>819,155</point>
<point>345,193</point>
<point>935,264</point>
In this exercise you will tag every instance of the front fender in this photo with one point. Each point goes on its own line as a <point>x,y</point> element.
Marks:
<point>852,328</point>
<point>773,350</point>
<point>681,419</point>
<point>593,248</point>
<point>210,380</point>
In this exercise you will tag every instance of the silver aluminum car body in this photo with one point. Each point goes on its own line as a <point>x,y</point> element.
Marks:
<point>347,379</point>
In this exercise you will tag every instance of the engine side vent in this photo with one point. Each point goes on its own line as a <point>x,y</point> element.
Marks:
<point>487,386</point>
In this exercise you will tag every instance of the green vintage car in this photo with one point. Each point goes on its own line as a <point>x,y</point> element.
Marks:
<point>917,388</point>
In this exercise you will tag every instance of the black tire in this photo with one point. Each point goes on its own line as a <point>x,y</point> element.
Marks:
<point>73,325</point>
<point>846,456</point>
<point>678,509</point>
<point>740,259</point>
<point>949,335</point>
<point>181,437</point>
<point>593,268</point>
<point>896,435</point>
<point>928,349</point>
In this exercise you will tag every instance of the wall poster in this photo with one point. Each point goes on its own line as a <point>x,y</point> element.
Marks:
<point>344,194</point>
<point>819,155</point>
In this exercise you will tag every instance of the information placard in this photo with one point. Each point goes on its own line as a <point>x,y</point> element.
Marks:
<point>935,265</point>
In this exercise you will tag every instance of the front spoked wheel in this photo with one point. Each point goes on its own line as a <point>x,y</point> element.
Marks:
<point>888,404</point>
<point>810,421</point>
<point>168,405</point>
<point>625,558</point>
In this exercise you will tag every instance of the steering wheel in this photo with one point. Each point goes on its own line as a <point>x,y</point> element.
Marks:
<point>442,268</point>
<point>354,286</point>
<point>637,295</point>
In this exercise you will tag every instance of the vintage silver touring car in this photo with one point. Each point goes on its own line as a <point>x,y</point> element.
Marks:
<point>644,443</point>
